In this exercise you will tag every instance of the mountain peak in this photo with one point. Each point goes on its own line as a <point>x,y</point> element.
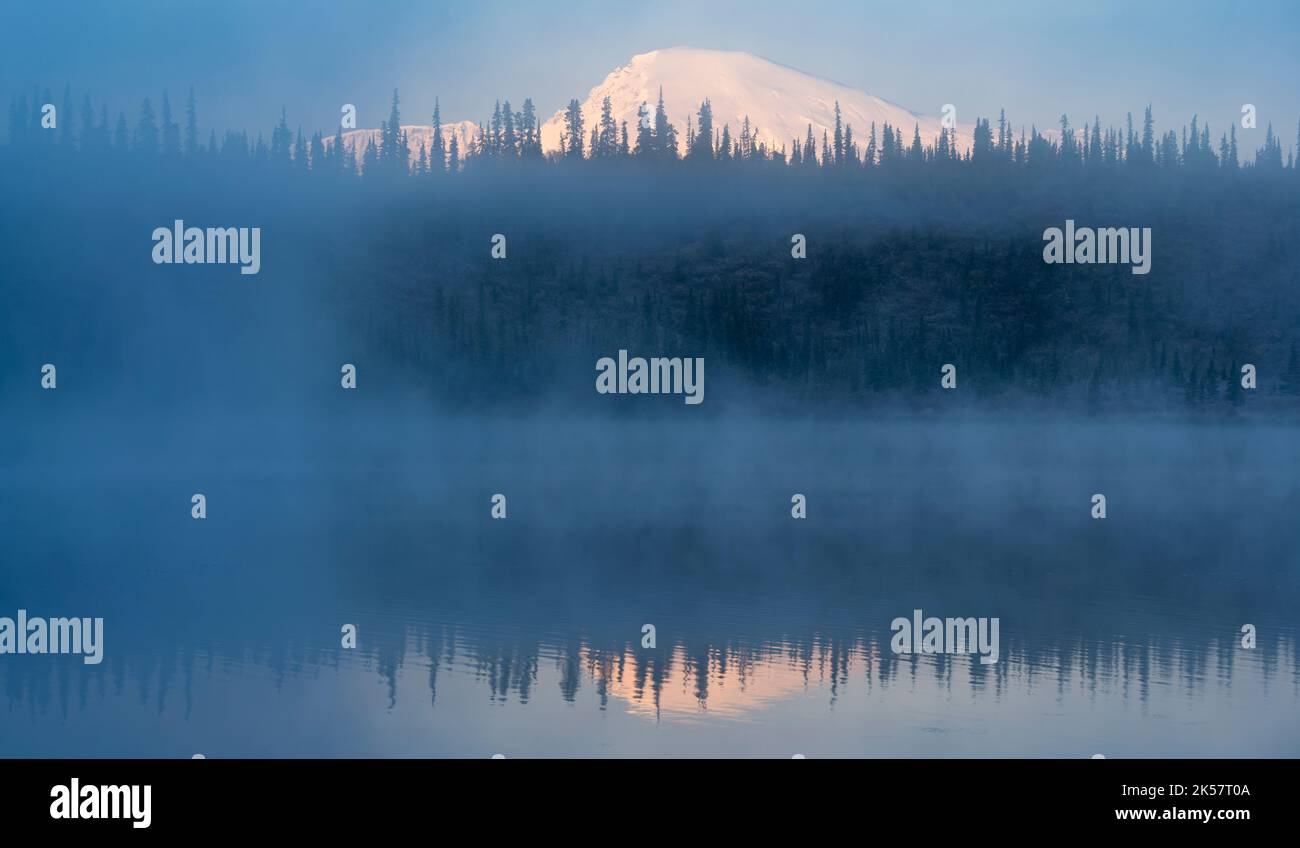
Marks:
<point>780,101</point>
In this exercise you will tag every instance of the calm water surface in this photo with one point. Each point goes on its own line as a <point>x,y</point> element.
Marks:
<point>523,636</point>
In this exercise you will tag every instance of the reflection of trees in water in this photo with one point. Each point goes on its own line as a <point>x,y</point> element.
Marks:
<point>680,678</point>
<point>745,600</point>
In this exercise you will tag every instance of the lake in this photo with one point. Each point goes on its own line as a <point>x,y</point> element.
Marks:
<point>523,636</point>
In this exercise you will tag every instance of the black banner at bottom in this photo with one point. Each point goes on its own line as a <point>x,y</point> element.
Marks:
<point>335,796</point>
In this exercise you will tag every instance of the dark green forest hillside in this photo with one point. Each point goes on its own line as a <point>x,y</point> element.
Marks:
<point>916,257</point>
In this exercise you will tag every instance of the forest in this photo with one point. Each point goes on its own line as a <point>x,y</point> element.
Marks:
<point>917,256</point>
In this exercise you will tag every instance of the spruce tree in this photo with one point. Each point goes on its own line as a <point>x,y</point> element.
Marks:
<point>838,150</point>
<point>146,131</point>
<point>1270,156</point>
<point>371,159</point>
<point>347,158</point>
<point>281,141</point>
<point>573,130</point>
<point>607,139</point>
<point>509,139</point>
<point>644,133</point>
<point>530,141</point>
<point>982,146</point>
<point>388,154</point>
<point>438,151</point>
<point>665,137</point>
<point>1148,137</point>
<point>493,145</point>
<point>191,125</point>
<point>702,148</point>
<point>171,132</point>
<point>87,140</point>
<point>317,155</point>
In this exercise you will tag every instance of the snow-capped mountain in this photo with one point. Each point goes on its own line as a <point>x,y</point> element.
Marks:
<point>780,101</point>
<point>463,131</point>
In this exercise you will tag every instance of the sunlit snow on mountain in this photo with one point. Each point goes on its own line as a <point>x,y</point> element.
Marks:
<point>780,101</point>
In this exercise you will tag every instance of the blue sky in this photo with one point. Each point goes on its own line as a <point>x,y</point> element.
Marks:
<point>1036,59</point>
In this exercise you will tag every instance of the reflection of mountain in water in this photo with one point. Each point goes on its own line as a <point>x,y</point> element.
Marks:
<point>474,629</point>
<point>691,680</point>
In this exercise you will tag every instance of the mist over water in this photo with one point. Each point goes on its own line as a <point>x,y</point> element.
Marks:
<point>522,636</point>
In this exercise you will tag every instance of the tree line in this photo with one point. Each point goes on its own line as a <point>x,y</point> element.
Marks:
<point>511,135</point>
